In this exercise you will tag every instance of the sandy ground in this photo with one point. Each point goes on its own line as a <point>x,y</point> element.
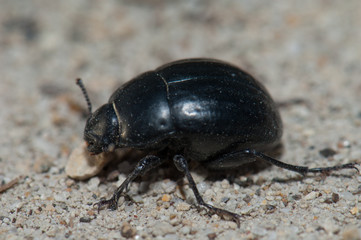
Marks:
<point>307,50</point>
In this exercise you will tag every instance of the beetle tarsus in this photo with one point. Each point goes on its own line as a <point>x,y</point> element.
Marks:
<point>144,165</point>
<point>182,165</point>
<point>335,168</point>
<point>223,213</point>
<point>111,204</point>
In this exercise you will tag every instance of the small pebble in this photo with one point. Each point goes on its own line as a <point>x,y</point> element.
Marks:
<point>166,198</point>
<point>335,197</point>
<point>93,184</point>
<point>225,184</point>
<point>296,197</point>
<point>344,144</point>
<point>270,208</point>
<point>85,219</point>
<point>212,236</point>
<point>81,165</point>
<point>49,208</point>
<point>232,225</point>
<point>183,206</point>
<point>69,182</point>
<point>354,210</point>
<point>327,152</point>
<point>312,195</point>
<point>127,230</point>
<point>185,230</point>
<point>247,199</point>
<point>162,228</point>
<point>42,164</point>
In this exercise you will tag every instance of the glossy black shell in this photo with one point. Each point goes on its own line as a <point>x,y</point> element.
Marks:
<point>200,108</point>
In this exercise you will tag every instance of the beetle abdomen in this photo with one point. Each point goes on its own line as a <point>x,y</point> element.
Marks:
<point>217,105</point>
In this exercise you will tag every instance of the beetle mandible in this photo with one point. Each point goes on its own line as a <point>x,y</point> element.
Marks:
<point>202,110</point>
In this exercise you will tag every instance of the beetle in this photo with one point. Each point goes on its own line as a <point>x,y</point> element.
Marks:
<point>202,110</point>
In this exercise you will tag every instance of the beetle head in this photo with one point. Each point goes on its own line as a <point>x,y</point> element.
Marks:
<point>102,130</point>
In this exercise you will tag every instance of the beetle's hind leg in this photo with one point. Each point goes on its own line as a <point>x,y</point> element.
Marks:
<point>237,158</point>
<point>300,169</point>
<point>182,165</point>
<point>144,165</point>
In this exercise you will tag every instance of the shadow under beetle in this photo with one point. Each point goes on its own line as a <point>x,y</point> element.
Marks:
<point>202,110</point>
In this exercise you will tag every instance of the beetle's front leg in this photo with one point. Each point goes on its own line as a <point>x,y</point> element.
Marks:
<point>182,165</point>
<point>144,165</point>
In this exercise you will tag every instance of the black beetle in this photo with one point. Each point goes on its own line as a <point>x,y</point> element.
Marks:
<point>202,110</point>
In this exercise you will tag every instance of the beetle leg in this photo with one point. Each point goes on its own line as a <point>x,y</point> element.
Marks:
<point>144,165</point>
<point>182,165</point>
<point>230,160</point>
<point>300,169</point>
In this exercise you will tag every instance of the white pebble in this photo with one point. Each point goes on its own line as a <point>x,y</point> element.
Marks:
<point>312,195</point>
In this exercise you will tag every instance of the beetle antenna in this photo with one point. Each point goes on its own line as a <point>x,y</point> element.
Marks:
<point>79,82</point>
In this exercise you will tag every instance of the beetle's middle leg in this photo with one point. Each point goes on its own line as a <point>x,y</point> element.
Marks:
<point>238,158</point>
<point>144,165</point>
<point>181,163</point>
